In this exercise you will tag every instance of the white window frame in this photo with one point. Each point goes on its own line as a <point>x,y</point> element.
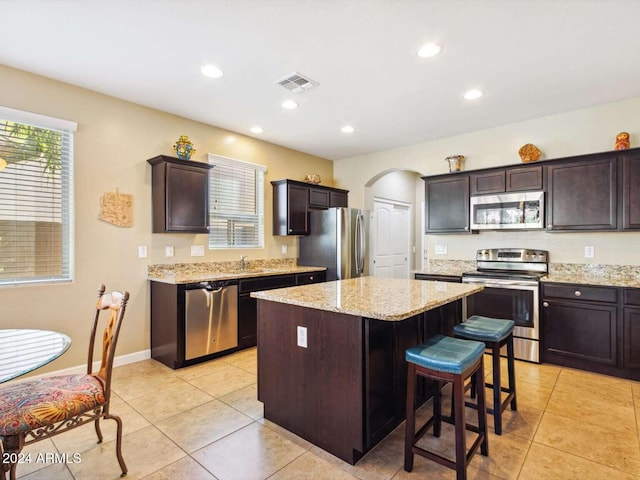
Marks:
<point>232,167</point>
<point>58,187</point>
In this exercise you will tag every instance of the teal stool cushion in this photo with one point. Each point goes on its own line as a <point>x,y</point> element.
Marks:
<point>445,354</point>
<point>484,329</point>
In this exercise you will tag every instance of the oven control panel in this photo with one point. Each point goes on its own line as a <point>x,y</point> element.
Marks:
<point>514,255</point>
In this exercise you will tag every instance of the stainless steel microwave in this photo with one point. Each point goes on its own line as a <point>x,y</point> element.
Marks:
<point>515,210</point>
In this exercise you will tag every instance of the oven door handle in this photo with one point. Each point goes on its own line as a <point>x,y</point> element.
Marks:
<point>497,283</point>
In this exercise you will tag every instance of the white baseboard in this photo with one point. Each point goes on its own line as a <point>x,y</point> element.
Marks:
<point>118,361</point>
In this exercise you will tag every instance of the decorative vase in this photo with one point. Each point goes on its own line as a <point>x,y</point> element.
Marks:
<point>622,141</point>
<point>455,162</point>
<point>529,153</point>
<point>184,148</point>
<point>312,178</point>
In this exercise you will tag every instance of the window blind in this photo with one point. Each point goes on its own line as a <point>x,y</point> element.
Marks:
<point>36,198</point>
<point>236,196</point>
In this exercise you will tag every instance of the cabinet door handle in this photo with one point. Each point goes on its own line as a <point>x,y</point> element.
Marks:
<point>577,293</point>
<point>545,304</point>
<point>311,277</point>
<point>549,226</point>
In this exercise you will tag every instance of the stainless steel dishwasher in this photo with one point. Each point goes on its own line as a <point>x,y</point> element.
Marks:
<point>211,318</point>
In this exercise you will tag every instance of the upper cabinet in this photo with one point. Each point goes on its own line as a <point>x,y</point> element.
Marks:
<point>595,192</point>
<point>292,201</point>
<point>582,194</point>
<point>630,187</point>
<point>447,204</point>
<point>180,195</point>
<point>502,180</point>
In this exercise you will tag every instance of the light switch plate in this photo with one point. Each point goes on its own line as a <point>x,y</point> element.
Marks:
<point>168,251</point>
<point>197,250</point>
<point>142,251</point>
<point>589,252</point>
<point>302,337</point>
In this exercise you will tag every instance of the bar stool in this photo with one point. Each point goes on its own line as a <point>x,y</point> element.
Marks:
<point>446,359</point>
<point>495,333</point>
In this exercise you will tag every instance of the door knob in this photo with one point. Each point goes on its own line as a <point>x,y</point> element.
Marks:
<point>545,304</point>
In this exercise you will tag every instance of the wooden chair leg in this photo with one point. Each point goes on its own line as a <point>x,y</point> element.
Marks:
<point>512,372</point>
<point>410,418</point>
<point>437,409</point>
<point>123,466</point>
<point>482,412</point>
<point>497,389</point>
<point>460,429</point>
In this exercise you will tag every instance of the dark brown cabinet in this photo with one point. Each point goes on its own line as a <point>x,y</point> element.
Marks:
<point>292,201</point>
<point>180,195</point>
<point>630,182</point>
<point>247,306</point>
<point>594,328</point>
<point>447,204</point>
<point>580,325</point>
<point>515,179</point>
<point>582,194</point>
<point>449,314</point>
<point>631,328</point>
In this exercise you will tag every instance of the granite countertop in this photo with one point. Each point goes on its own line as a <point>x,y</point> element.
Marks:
<point>590,279</point>
<point>373,297</point>
<point>179,273</point>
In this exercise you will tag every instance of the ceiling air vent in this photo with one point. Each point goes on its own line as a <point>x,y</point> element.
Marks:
<point>296,83</point>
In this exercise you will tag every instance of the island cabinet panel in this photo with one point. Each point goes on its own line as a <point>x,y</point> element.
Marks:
<point>320,398</point>
<point>346,390</point>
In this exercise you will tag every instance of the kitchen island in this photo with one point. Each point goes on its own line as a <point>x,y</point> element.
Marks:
<point>331,365</point>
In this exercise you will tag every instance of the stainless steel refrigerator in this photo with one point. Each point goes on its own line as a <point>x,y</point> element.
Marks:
<point>338,240</point>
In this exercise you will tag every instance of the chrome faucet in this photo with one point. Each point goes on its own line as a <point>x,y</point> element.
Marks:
<point>242,259</point>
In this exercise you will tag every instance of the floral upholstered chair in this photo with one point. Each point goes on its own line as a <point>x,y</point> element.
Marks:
<point>37,409</point>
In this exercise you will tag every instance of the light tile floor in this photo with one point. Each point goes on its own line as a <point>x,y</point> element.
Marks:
<point>204,422</point>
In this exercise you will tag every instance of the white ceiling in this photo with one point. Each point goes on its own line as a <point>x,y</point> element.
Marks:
<point>530,57</point>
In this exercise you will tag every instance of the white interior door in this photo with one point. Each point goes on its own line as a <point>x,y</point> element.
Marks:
<point>391,239</point>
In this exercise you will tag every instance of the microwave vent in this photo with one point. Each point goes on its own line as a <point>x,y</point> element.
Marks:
<point>296,83</point>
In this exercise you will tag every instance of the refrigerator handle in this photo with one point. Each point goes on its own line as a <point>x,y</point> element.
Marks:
<point>360,244</point>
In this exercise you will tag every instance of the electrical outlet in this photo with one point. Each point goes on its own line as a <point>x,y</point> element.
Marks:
<point>197,250</point>
<point>441,249</point>
<point>168,251</point>
<point>284,249</point>
<point>589,252</point>
<point>142,251</point>
<point>302,337</point>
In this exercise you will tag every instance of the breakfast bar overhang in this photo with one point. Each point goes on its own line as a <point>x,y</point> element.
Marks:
<point>331,365</point>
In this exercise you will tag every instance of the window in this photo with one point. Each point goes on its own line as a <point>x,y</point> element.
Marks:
<point>236,197</point>
<point>36,198</point>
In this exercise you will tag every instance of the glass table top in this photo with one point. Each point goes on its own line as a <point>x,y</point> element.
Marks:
<point>24,350</point>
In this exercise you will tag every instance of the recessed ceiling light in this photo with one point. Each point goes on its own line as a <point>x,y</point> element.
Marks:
<point>348,129</point>
<point>289,104</point>
<point>256,129</point>
<point>429,50</point>
<point>211,71</point>
<point>472,94</point>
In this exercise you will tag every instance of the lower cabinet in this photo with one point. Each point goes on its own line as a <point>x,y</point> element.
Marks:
<point>631,328</point>
<point>594,328</point>
<point>247,306</point>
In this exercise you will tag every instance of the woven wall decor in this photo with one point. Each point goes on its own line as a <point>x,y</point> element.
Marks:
<point>116,208</point>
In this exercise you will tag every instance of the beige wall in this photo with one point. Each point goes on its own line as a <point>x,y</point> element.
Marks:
<point>583,131</point>
<point>113,142</point>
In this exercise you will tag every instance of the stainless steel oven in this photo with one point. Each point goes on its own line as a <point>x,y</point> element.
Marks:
<point>510,277</point>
